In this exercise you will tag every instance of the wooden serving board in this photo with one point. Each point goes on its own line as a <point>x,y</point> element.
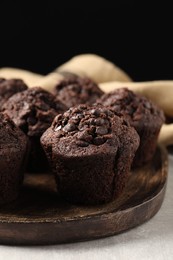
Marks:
<point>40,217</point>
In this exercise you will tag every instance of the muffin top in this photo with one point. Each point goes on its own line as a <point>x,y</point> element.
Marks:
<point>136,109</point>
<point>9,87</point>
<point>76,90</point>
<point>88,128</point>
<point>11,137</point>
<point>33,110</point>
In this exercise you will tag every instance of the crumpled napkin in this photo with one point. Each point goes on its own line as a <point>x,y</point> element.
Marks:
<point>109,77</point>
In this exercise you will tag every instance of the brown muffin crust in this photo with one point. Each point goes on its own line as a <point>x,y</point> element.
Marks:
<point>13,154</point>
<point>88,126</point>
<point>33,111</point>
<point>9,87</point>
<point>90,151</point>
<point>142,114</point>
<point>75,90</point>
<point>135,108</point>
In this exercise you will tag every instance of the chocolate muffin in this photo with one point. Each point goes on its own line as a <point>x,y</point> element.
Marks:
<point>76,90</point>
<point>142,114</point>
<point>33,111</point>
<point>9,87</point>
<point>13,153</point>
<point>90,151</point>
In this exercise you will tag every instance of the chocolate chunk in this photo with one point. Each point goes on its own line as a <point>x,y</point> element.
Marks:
<point>99,140</point>
<point>95,112</point>
<point>69,127</point>
<point>82,143</point>
<point>85,136</point>
<point>101,130</point>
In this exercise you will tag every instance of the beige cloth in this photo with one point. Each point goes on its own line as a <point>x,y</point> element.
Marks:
<point>109,77</point>
<point>88,65</point>
<point>29,77</point>
<point>94,67</point>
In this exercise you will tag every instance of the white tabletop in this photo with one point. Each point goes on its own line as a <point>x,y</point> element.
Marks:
<point>152,240</point>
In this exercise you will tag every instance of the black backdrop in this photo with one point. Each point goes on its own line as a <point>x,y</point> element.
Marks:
<point>135,35</point>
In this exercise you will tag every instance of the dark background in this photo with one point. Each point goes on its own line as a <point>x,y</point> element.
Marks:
<point>135,35</point>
